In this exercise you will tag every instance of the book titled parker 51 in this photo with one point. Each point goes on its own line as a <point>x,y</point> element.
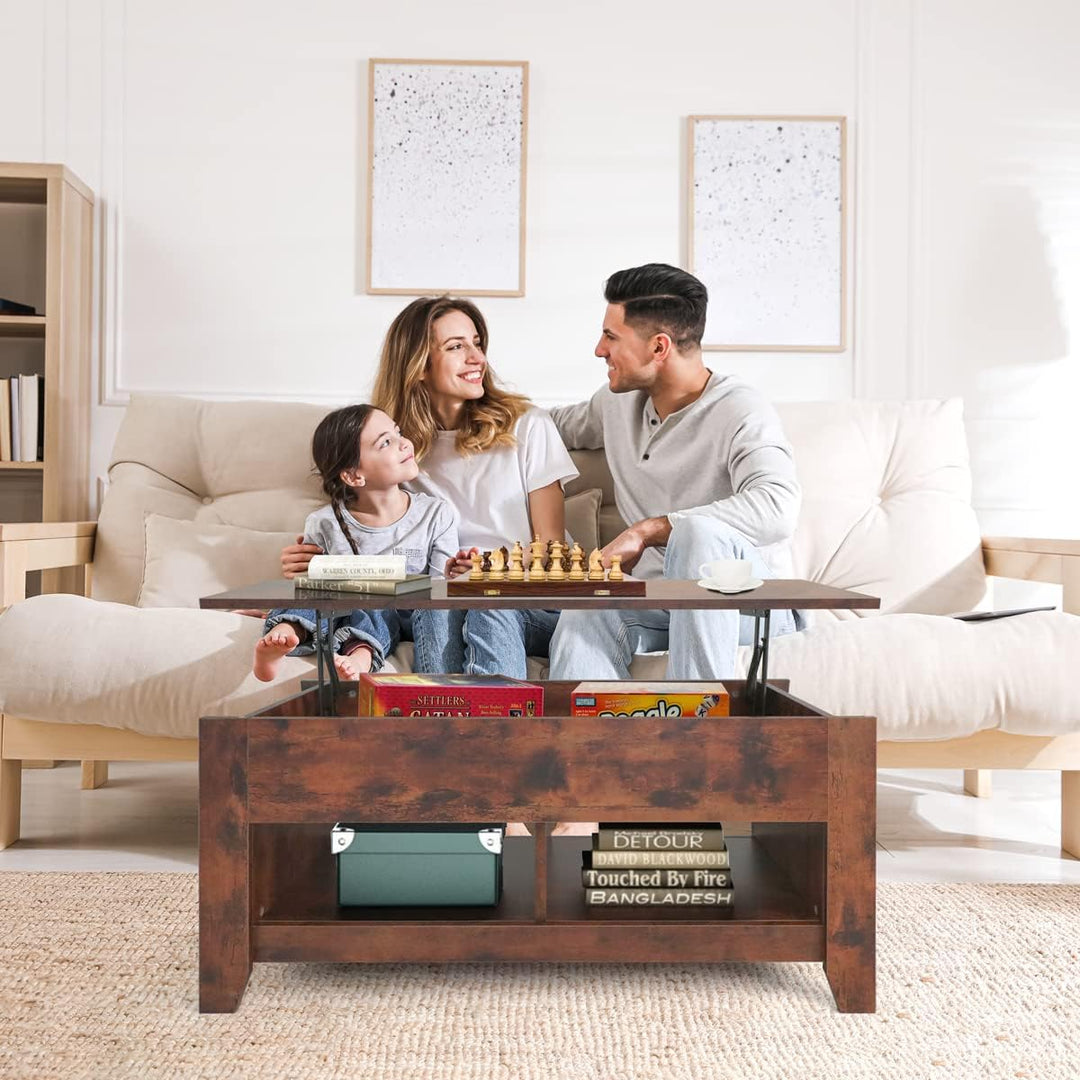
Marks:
<point>660,897</point>
<point>373,586</point>
<point>646,836</point>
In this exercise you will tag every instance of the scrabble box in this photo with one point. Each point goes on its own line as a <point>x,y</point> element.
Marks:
<point>448,695</point>
<point>649,699</point>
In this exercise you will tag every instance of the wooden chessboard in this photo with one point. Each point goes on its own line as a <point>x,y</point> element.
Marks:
<point>462,586</point>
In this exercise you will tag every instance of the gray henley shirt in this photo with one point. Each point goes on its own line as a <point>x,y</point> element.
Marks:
<point>723,456</point>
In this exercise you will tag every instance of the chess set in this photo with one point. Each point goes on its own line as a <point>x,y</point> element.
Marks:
<point>553,569</point>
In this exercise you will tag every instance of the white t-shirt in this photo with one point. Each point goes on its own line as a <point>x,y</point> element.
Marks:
<point>489,491</point>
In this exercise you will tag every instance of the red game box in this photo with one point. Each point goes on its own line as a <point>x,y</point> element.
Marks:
<point>448,695</point>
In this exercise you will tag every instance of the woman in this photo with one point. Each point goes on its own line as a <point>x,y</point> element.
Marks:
<point>497,460</point>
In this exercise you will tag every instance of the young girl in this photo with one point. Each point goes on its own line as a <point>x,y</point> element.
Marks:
<point>363,459</point>
<point>494,457</point>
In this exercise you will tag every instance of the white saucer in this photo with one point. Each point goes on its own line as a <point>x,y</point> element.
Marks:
<point>746,586</point>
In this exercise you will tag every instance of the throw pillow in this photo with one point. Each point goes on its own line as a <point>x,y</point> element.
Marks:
<point>186,560</point>
<point>583,518</point>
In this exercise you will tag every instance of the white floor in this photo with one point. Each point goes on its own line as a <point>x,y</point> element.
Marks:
<point>928,830</point>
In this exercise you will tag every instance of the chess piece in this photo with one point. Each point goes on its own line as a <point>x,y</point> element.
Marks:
<point>517,568</point>
<point>537,551</point>
<point>596,567</point>
<point>615,574</point>
<point>476,573</point>
<point>555,564</point>
<point>576,571</point>
<point>497,565</point>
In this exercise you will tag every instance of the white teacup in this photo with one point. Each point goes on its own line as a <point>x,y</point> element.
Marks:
<point>726,573</point>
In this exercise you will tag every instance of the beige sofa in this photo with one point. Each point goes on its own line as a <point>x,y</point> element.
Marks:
<point>197,503</point>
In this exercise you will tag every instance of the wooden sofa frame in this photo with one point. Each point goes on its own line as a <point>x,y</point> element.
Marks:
<point>54,545</point>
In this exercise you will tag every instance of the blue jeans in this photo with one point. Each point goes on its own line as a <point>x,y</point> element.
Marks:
<point>703,644</point>
<point>379,628</point>
<point>481,641</point>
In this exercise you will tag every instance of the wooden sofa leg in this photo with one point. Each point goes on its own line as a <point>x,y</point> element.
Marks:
<point>95,774</point>
<point>977,783</point>
<point>1070,812</point>
<point>10,796</point>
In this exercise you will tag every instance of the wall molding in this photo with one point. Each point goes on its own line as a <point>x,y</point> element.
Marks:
<point>113,83</point>
<point>918,257</point>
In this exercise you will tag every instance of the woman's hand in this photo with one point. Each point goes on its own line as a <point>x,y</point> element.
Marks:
<point>460,564</point>
<point>295,557</point>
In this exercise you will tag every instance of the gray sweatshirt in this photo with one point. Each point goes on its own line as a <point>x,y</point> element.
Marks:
<point>426,534</point>
<point>723,456</point>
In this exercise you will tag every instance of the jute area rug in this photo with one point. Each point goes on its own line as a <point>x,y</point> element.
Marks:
<point>98,979</point>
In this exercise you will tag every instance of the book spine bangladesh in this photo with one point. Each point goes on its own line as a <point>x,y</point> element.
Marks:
<point>646,878</point>
<point>660,838</point>
<point>653,859</point>
<point>659,897</point>
<point>375,586</point>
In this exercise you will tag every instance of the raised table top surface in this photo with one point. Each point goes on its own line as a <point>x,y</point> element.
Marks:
<point>777,593</point>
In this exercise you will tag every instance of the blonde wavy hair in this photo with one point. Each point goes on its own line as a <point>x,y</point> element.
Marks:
<point>401,392</point>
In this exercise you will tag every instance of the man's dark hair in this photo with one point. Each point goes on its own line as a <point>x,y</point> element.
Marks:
<point>658,298</point>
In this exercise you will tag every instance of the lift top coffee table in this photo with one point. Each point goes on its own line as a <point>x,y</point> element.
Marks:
<point>272,784</point>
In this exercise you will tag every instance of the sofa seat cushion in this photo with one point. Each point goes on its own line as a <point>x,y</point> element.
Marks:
<point>150,670</point>
<point>929,676</point>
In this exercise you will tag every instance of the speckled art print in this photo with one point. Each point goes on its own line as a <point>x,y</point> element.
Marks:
<point>446,203</point>
<point>767,230</point>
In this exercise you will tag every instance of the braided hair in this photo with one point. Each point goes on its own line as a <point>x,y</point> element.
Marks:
<point>335,448</point>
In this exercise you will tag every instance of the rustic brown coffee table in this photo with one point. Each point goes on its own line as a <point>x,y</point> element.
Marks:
<point>271,784</point>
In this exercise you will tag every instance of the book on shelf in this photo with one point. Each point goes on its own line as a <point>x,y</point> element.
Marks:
<point>649,699</point>
<point>381,567</point>
<point>649,836</point>
<point>373,586</point>
<point>448,695</point>
<point>5,420</point>
<point>16,424</point>
<point>648,877</point>
<point>13,307</point>
<point>660,897</point>
<point>30,400</point>
<point>652,859</point>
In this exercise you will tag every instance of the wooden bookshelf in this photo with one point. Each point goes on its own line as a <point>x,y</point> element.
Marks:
<point>46,261</point>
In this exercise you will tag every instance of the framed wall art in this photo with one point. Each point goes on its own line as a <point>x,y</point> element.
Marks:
<point>766,218</point>
<point>446,177</point>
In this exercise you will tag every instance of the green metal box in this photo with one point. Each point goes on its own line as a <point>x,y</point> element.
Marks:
<point>418,865</point>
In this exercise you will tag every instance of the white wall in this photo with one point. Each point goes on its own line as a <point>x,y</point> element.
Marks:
<point>226,141</point>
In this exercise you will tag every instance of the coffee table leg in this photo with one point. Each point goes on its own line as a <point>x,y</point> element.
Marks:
<point>850,872</point>
<point>224,864</point>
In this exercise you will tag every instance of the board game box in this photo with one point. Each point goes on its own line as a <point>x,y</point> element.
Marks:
<point>448,695</point>
<point>649,699</point>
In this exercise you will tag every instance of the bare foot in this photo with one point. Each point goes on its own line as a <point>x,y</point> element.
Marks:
<point>271,647</point>
<point>351,665</point>
<point>575,828</point>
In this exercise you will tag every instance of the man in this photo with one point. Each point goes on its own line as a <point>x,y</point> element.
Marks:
<point>701,468</point>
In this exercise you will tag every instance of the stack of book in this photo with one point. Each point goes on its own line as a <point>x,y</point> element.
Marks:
<point>658,866</point>
<point>22,418</point>
<point>382,575</point>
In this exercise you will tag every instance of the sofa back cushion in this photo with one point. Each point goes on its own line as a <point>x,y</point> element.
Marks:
<point>886,502</point>
<point>886,490</point>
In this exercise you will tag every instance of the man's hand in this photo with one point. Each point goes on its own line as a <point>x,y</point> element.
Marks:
<point>631,543</point>
<point>295,557</point>
<point>461,563</point>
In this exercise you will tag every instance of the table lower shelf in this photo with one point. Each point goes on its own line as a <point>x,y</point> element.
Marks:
<point>295,915</point>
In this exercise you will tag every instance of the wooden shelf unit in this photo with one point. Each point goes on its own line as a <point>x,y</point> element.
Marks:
<point>58,273</point>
